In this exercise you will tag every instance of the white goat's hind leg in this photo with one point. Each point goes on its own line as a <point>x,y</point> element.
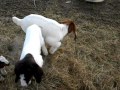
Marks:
<point>54,47</point>
<point>44,49</point>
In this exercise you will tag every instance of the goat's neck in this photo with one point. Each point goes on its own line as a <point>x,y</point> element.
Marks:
<point>64,30</point>
<point>38,59</point>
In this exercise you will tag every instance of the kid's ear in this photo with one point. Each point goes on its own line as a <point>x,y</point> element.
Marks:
<point>38,74</point>
<point>16,71</point>
<point>72,28</point>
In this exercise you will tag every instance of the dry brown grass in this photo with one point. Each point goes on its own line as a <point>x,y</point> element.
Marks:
<point>90,63</point>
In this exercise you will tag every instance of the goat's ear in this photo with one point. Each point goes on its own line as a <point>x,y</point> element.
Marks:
<point>18,65</point>
<point>38,74</point>
<point>16,73</point>
<point>71,27</point>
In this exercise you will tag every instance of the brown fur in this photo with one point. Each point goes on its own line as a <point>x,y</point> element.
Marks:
<point>71,28</point>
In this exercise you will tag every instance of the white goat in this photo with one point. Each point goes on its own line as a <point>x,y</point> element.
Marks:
<point>52,31</point>
<point>31,61</point>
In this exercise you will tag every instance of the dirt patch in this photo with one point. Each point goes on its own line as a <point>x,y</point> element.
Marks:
<point>90,63</point>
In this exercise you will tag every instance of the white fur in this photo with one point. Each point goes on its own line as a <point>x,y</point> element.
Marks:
<point>3,59</point>
<point>52,31</point>
<point>22,80</point>
<point>33,44</point>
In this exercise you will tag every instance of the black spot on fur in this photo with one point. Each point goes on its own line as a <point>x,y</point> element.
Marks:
<point>29,68</point>
<point>2,64</point>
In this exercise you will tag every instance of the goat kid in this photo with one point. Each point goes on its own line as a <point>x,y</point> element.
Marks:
<point>3,62</point>
<point>52,31</point>
<point>31,61</point>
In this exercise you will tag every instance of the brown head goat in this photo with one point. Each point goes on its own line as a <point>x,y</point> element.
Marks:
<point>71,27</point>
<point>52,31</point>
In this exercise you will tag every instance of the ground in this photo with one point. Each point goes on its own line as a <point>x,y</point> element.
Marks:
<point>90,63</point>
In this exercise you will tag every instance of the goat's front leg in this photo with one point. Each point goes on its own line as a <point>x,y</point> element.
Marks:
<point>53,43</point>
<point>54,47</point>
<point>44,49</point>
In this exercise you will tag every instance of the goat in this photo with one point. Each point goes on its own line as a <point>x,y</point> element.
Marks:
<point>52,31</point>
<point>30,63</point>
<point>3,62</point>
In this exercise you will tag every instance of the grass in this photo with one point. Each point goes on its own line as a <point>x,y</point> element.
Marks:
<point>90,63</point>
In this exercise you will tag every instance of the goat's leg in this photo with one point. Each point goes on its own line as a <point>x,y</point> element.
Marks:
<point>53,43</point>
<point>44,49</point>
<point>54,47</point>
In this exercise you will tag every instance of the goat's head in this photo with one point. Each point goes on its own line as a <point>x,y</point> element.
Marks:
<point>71,27</point>
<point>3,62</point>
<point>27,68</point>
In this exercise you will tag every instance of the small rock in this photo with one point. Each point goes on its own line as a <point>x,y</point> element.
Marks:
<point>68,2</point>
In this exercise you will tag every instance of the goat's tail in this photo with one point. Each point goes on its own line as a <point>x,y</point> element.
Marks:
<point>17,21</point>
